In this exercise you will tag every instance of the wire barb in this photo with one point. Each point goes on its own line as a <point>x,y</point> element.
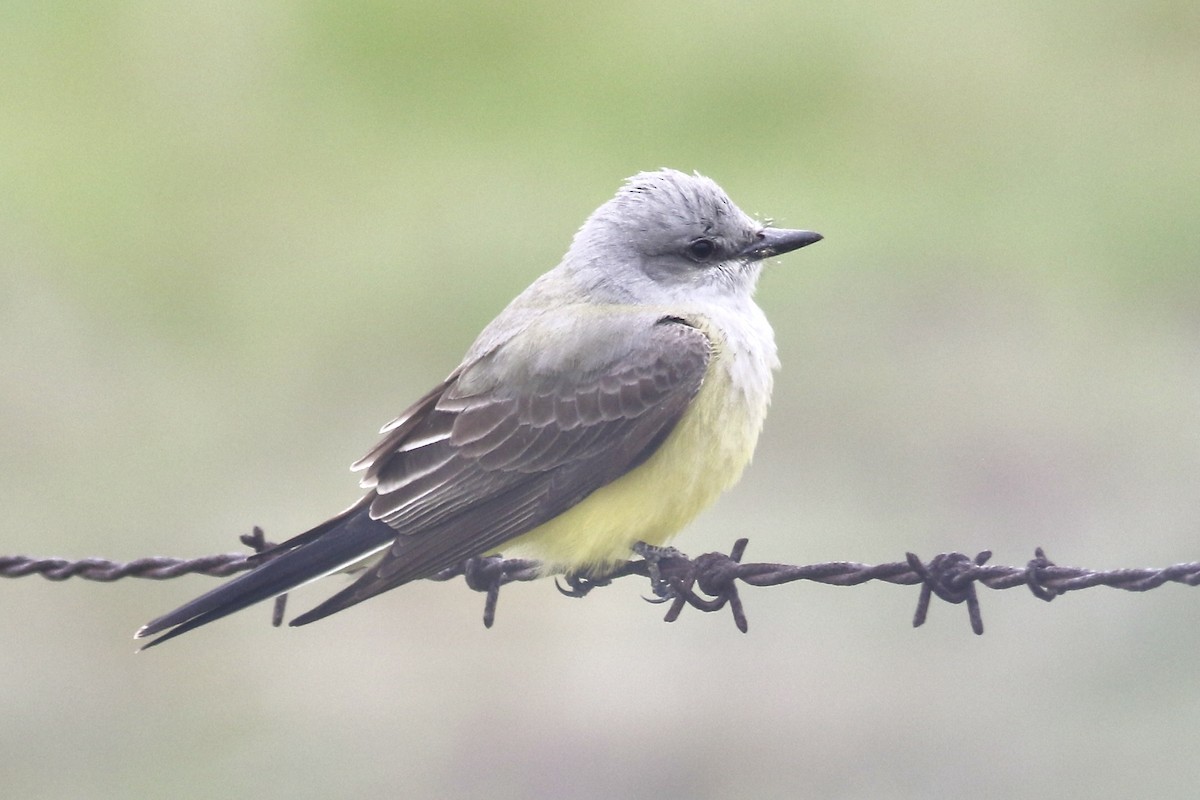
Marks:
<point>1033,576</point>
<point>256,540</point>
<point>675,578</point>
<point>487,574</point>
<point>949,576</point>
<point>716,575</point>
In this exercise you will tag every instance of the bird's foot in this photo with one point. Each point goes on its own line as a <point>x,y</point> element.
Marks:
<point>654,555</point>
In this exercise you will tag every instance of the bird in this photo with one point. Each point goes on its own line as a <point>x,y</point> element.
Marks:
<point>606,406</point>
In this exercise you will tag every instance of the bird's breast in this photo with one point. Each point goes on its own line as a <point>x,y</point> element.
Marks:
<point>703,456</point>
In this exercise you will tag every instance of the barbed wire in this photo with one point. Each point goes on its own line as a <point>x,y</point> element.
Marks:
<point>675,578</point>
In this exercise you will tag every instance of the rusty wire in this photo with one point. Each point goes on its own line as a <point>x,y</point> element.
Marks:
<point>675,578</point>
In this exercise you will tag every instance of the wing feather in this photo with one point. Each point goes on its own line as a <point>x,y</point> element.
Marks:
<point>515,456</point>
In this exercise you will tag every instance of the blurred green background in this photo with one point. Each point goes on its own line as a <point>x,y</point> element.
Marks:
<point>235,238</point>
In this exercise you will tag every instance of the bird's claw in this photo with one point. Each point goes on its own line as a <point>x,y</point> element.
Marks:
<point>579,585</point>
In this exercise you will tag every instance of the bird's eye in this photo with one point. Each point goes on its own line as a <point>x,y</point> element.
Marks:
<point>701,250</point>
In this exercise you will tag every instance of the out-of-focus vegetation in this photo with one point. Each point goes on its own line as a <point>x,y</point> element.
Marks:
<point>235,238</point>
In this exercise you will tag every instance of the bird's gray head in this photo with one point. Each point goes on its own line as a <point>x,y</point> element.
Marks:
<point>667,234</point>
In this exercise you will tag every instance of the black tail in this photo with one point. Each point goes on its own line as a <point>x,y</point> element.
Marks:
<point>326,548</point>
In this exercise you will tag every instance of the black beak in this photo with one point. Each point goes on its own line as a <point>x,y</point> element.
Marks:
<point>772,242</point>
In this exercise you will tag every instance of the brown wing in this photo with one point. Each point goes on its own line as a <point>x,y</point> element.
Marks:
<point>462,474</point>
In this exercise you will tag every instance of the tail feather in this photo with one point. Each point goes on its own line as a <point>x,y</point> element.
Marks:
<point>329,547</point>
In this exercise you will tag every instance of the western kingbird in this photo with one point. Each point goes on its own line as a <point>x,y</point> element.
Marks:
<point>608,404</point>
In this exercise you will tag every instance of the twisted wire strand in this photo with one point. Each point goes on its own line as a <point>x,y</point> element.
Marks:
<point>707,582</point>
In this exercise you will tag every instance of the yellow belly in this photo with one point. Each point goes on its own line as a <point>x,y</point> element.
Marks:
<point>704,455</point>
